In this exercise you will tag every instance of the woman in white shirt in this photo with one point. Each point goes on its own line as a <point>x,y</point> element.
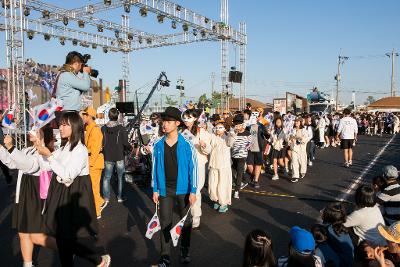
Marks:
<point>70,213</point>
<point>298,145</point>
<point>366,218</point>
<point>201,141</point>
<point>26,215</point>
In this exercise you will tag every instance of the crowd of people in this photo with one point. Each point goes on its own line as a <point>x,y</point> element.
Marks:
<point>63,182</point>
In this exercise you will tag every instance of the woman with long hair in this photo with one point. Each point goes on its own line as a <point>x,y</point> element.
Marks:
<point>201,140</point>
<point>70,214</point>
<point>26,215</point>
<point>298,145</point>
<point>258,250</point>
<point>278,142</point>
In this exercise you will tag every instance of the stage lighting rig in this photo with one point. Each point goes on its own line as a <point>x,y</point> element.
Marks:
<point>27,11</point>
<point>160,18</point>
<point>127,7</point>
<point>143,12</point>
<point>46,14</point>
<point>30,34</point>
<point>81,24</point>
<point>173,24</point>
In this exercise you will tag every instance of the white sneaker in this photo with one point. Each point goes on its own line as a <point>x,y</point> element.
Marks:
<point>302,175</point>
<point>275,177</point>
<point>243,185</point>
<point>236,195</point>
<point>104,205</point>
<point>196,222</point>
<point>105,261</point>
<point>310,163</point>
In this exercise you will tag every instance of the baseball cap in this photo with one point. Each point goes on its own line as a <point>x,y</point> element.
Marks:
<point>90,111</point>
<point>390,171</point>
<point>302,240</point>
<point>391,233</point>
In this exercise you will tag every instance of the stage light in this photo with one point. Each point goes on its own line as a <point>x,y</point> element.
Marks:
<point>178,8</point>
<point>185,27</point>
<point>140,40</point>
<point>130,36</point>
<point>90,9</point>
<point>107,2</point>
<point>127,7</point>
<point>148,41</point>
<point>46,36</point>
<point>116,32</point>
<point>30,35</point>
<point>195,32</point>
<point>27,11</point>
<point>46,14</point>
<point>160,18</point>
<point>105,50</point>
<point>94,46</point>
<point>173,24</point>
<point>203,33</point>
<point>62,40</point>
<point>100,28</point>
<point>74,42</point>
<point>81,24</point>
<point>65,21</point>
<point>143,12</point>
<point>206,20</point>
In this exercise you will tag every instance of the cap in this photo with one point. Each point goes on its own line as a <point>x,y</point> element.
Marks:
<point>302,240</point>
<point>390,171</point>
<point>391,233</point>
<point>238,119</point>
<point>91,112</point>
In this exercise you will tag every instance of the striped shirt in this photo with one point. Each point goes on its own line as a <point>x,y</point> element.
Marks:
<point>283,261</point>
<point>241,145</point>
<point>390,198</point>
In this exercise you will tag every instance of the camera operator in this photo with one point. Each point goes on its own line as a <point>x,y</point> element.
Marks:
<point>69,85</point>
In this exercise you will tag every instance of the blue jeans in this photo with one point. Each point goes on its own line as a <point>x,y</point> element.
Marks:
<point>108,172</point>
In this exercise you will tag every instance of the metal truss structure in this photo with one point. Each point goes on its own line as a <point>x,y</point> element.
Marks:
<point>36,17</point>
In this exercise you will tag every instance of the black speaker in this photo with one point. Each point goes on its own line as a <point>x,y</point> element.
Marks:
<point>126,107</point>
<point>235,76</point>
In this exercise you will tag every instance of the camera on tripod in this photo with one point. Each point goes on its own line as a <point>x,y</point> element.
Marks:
<point>93,73</point>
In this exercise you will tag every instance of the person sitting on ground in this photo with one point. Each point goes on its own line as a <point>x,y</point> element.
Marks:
<point>369,256</point>
<point>366,217</point>
<point>258,250</point>
<point>379,184</point>
<point>389,198</point>
<point>323,250</point>
<point>301,250</point>
<point>392,236</point>
<point>333,216</point>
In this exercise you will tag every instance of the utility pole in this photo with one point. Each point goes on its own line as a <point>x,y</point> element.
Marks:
<point>341,60</point>
<point>212,83</point>
<point>392,84</point>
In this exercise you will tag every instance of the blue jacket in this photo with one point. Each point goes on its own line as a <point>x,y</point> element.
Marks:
<point>70,88</point>
<point>187,167</point>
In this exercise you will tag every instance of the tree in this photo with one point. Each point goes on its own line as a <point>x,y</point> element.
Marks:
<point>370,99</point>
<point>215,99</point>
<point>203,99</point>
<point>170,102</point>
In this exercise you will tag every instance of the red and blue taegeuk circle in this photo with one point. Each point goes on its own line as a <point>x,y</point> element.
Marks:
<point>43,115</point>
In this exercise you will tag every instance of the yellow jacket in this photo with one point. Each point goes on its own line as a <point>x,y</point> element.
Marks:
<point>94,144</point>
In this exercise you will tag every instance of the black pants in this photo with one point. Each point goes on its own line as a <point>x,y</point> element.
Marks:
<point>238,167</point>
<point>167,204</point>
<point>81,247</point>
<point>6,173</point>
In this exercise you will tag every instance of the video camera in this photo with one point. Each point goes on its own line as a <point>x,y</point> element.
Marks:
<point>94,73</point>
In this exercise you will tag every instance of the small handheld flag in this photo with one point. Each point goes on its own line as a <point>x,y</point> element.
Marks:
<point>45,113</point>
<point>153,226</point>
<point>8,119</point>
<point>177,230</point>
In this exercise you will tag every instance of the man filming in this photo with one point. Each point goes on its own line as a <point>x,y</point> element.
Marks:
<point>70,85</point>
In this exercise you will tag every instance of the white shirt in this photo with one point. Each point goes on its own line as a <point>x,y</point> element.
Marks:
<point>365,222</point>
<point>348,128</point>
<point>68,165</point>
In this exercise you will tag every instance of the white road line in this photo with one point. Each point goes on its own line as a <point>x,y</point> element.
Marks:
<point>344,196</point>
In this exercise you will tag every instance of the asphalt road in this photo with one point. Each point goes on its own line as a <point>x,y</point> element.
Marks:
<point>276,207</point>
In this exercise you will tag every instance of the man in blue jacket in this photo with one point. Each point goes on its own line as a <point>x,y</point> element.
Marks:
<point>175,180</point>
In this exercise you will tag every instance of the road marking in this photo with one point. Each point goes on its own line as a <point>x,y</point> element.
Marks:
<point>346,194</point>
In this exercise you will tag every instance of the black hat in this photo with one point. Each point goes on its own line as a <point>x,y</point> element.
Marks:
<point>171,114</point>
<point>215,117</point>
<point>238,119</point>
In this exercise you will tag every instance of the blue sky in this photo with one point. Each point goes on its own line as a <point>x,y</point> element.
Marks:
<point>293,46</point>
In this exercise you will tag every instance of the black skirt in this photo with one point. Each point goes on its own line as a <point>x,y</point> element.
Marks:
<point>281,154</point>
<point>70,211</point>
<point>27,213</point>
